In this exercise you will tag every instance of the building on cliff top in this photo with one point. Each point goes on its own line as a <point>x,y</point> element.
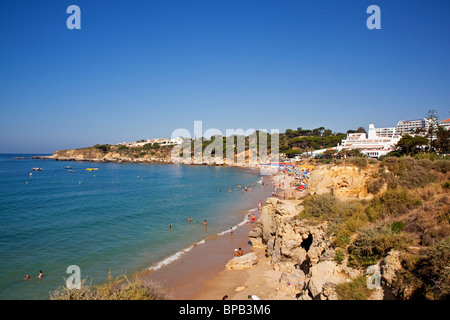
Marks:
<point>378,141</point>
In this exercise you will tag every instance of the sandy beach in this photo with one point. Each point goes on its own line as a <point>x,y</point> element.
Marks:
<point>262,280</point>
<point>186,277</point>
<point>200,274</point>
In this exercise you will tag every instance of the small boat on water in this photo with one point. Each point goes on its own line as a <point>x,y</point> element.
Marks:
<point>67,167</point>
<point>71,171</point>
<point>37,169</point>
<point>91,169</point>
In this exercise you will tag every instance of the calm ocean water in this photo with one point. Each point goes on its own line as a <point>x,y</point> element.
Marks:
<point>114,219</point>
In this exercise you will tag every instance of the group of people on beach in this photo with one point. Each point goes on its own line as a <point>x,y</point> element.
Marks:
<point>238,253</point>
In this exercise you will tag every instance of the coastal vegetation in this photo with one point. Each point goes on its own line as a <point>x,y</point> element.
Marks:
<point>408,212</point>
<point>354,290</point>
<point>295,142</point>
<point>291,143</point>
<point>119,288</point>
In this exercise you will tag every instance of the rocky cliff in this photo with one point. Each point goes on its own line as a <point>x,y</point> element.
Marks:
<point>114,154</point>
<point>345,182</point>
<point>304,253</point>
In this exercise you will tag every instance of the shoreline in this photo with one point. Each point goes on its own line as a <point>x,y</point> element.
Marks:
<point>197,272</point>
<point>200,273</point>
<point>260,280</point>
<point>187,271</point>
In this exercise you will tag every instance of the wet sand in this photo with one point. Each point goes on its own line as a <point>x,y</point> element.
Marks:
<point>186,276</point>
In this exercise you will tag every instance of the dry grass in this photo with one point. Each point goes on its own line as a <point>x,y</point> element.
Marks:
<point>119,288</point>
<point>354,290</point>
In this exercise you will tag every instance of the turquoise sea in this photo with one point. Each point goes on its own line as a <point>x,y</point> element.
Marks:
<point>115,218</point>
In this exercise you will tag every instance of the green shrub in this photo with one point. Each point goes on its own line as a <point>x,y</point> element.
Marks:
<point>391,203</point>
<point>397,226</point>
<point>357,161</point>
<point>339,256</point>
<point>320,206</point>
<point>374,243</point>
<point>123,147</point>
<point>342,239</point>
<point>351,218</point>
<point>324,161</point>
<point>114,289</point>
<point>102,147</point>
<point>426,155</point>
<point>374,186</point>
<point>374,210</point>
<point>408,173</point>
<point>434,270</point>
<point>354,290</point>
<point>442,166</point>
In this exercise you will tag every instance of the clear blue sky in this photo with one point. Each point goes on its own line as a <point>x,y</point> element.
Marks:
<point>140,69</point>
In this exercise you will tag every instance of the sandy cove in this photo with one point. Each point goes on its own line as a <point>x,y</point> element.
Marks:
<point>261,280</point>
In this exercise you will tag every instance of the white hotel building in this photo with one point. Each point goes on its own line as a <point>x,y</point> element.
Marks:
<point>378,142</point>
<point>381,141</point>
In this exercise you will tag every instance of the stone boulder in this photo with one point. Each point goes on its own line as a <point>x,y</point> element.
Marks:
<point>389,266</point>
<point>322,273</point>
<point>293,282</point>
<point>329,291</point>
<point>247,261</point>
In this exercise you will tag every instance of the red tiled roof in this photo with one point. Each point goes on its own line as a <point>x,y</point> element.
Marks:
<point>447,120</point>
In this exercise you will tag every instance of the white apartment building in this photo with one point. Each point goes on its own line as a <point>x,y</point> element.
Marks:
<point>386,132</point>
<point>375,144</point>
<point>160,141</point>
<point>410,126</point>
